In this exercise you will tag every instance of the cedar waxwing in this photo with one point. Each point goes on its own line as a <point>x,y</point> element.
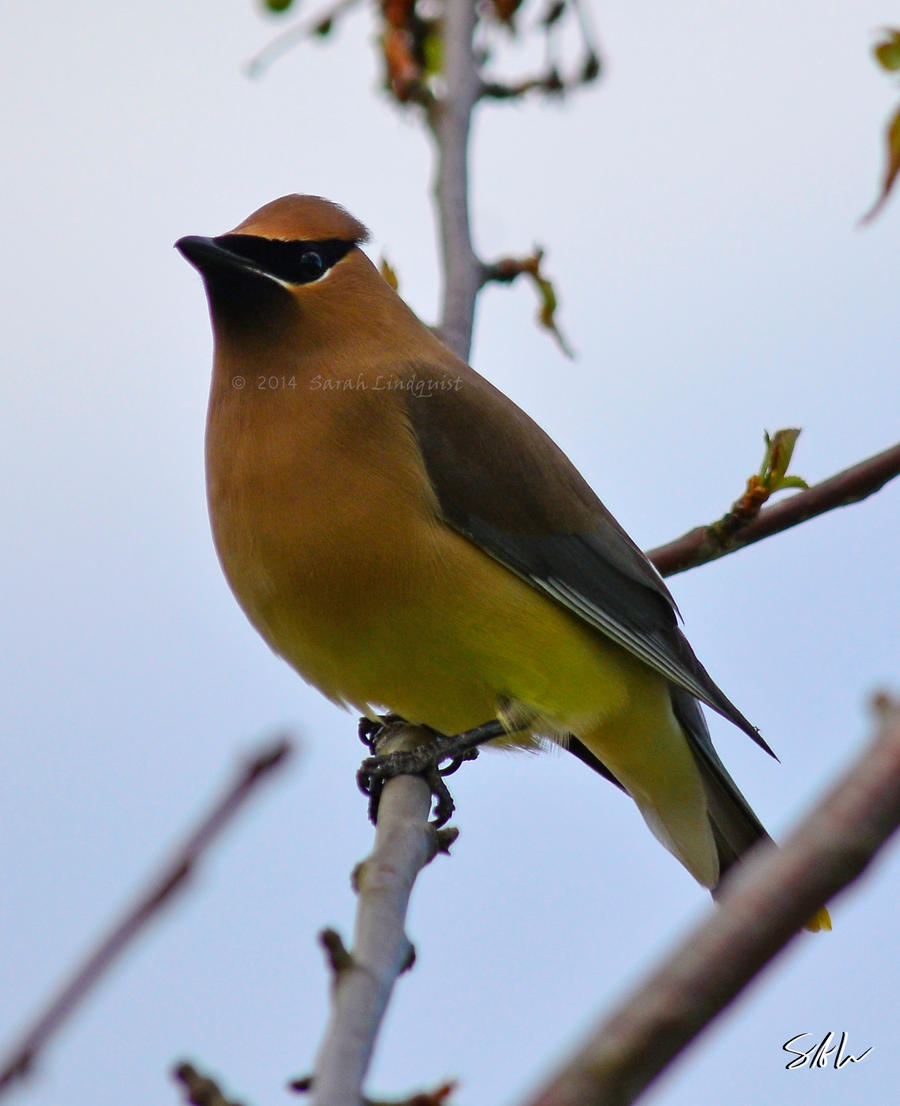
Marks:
<point>408,539</point>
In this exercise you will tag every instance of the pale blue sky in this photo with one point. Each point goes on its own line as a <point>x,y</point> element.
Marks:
<point>698,207</point>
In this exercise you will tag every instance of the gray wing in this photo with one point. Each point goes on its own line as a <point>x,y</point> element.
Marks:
<point>505,485</point>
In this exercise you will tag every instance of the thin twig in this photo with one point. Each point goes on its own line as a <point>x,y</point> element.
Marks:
<point>280,45</point>
<point>437,1096</point>
<point>762,910</point>
<point>20,1058</point>
<point>700,545</point>
<point>588,34</point>
<point>199,1089</point>
<point>404,844</point>
<point>551,81</point>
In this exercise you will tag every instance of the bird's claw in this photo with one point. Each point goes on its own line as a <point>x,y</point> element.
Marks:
<point>370,730</point>
<point>424,761</point>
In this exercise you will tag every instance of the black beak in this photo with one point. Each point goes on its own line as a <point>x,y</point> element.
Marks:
<point>206,255</point>
<point>237,286</point>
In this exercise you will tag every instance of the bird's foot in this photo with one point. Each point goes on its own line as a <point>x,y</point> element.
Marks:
<point>423,760</point>
<point>374,731</point>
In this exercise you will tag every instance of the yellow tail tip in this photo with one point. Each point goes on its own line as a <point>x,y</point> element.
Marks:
<point>821,920</point>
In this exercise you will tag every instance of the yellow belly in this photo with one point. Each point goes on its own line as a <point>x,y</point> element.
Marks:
<point>442,636</point>
<point>456,637</point>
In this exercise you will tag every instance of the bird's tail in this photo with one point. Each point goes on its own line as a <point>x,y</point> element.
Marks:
<point>735,827</point>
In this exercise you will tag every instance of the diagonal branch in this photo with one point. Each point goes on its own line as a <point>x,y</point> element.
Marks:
<point>161,890</point>
<point>761,911</point>
<point>703,544</point>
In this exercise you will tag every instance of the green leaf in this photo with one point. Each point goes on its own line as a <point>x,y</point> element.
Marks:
<point>389,273</point>
<point>433,53</point>
<point>891,169</point>
<point>777,459</point>
<point>547,311</point>
<point>591,69</point>
<point>277,5</point>
<point>887,53</point>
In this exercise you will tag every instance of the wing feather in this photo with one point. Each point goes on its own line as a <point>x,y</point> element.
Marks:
<point>504,484</point>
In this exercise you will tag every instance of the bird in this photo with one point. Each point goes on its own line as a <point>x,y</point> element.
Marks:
<point>411,541</point>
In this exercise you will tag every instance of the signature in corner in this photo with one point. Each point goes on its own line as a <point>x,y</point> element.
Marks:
<point>819,1055</point>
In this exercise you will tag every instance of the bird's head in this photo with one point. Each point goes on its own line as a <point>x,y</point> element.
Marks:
<point>290,286</point>
<point>297,259</point>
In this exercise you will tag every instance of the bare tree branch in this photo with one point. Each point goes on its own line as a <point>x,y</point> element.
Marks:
<point>773,893</point>
<point>20,1058</point>
<point>449,119</point>
<point>702,544</point>
<point>363,978</point>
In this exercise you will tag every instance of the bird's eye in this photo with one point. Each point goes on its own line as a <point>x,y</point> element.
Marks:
<point>311,266</point>
<point>294,262</point>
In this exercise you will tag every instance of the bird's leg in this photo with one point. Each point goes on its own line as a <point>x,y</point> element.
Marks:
<point>423,759</point>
